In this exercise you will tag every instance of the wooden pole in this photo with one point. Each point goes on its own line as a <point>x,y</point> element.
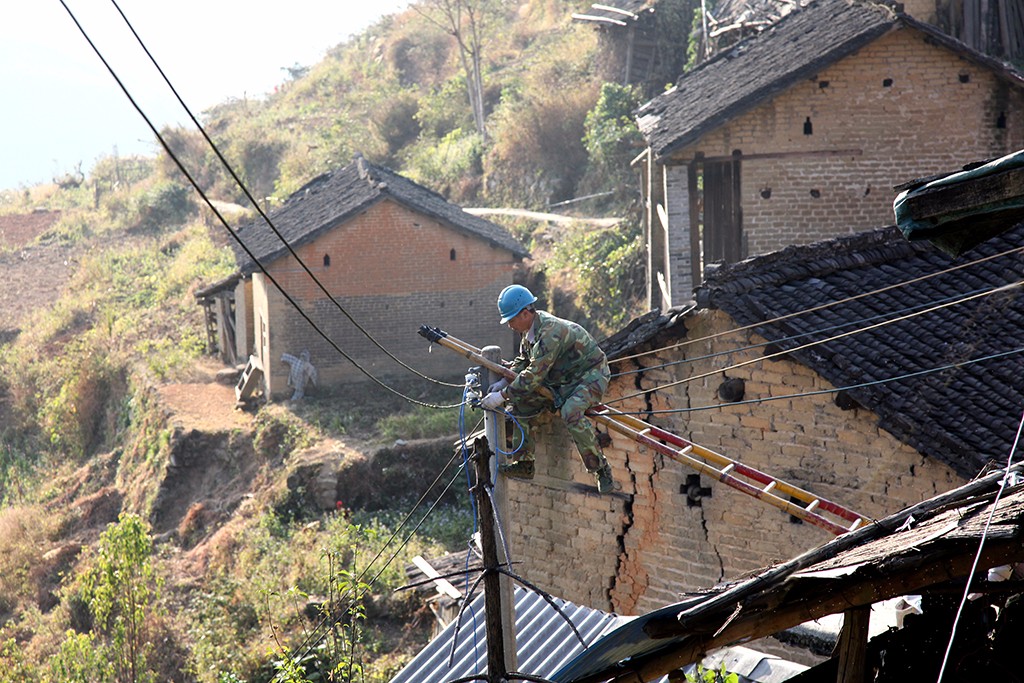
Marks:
<point>853,645</point>
<point>494,428</point>
<point>496,670</point>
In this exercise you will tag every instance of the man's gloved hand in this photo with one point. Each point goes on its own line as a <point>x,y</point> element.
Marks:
<point>492,401</point>
<point>499,385</point>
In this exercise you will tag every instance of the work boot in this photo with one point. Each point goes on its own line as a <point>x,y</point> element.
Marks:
<point>517,469</point>
<point>605,483</point>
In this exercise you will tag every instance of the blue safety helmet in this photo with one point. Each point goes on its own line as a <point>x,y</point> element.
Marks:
<point>513,299</point>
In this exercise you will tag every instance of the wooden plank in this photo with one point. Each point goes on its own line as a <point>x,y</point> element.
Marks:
<point>971,193</point>
<point>853,645</point>
<point>444,587</point>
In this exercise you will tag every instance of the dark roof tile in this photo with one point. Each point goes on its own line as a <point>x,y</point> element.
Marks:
<point>963,416</point>
<point>762,66</point>
<point>330,199</point>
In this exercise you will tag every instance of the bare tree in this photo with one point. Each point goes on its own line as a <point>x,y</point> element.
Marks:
<point>467,22</point>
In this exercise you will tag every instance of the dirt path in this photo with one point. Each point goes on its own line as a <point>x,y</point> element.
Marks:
<point>206,406</point>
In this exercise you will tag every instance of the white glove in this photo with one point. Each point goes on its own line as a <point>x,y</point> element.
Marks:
<point>499,385</point>
<point>492,401</point>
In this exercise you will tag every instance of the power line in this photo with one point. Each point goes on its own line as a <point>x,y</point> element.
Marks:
<point>820,307</point>
<point>221,218</point>
<point>981,546</point>
<point>262,214</point>
<point>203,195</point>
<point>849,387</point>
<point>781,340</point>
<point>802,347</point>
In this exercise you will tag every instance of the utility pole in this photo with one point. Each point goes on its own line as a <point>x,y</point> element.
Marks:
<point>494,428</point>
<point>497,668</point>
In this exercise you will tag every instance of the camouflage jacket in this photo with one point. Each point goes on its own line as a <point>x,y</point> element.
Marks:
<point>561,355</point>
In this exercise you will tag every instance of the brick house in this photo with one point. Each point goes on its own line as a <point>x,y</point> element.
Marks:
<point>393,254</point>
<point>878,446</point>
<point>800,133</point>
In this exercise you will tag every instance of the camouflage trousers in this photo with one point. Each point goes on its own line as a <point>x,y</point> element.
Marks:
<point>572,408</point>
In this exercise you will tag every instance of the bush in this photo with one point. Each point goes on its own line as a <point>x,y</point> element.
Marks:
<point>608,269</point>
<point>168,204</point>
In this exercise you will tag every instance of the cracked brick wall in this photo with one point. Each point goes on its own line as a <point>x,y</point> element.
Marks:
<point>638,551</point>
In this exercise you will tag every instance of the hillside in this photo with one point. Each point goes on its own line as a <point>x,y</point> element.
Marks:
<point>151,529</point>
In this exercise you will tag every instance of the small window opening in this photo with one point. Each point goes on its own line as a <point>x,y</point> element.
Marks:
<point>965,78</point>
<point>887,83</point>
<point>808,127</point>
<point>327,260</point>
<point>1001,121</point>
<point>766,193</point>
<point>451,255</point>
<point>816,193</point>
<point>822,84</point>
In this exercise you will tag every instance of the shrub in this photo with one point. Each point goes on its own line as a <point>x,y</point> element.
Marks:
<point>420,423</point>
<point>608,268</point>
<point>168,204</point>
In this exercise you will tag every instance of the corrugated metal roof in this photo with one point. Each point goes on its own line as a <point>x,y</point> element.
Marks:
<point>544,642</point>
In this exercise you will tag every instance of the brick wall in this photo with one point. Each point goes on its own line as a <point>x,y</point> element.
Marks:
<point>898,109</point>
<point>636,554</point>
<point>392,270</point>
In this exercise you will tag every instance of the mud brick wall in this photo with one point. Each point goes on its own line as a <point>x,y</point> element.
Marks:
<point>393,270</point>
<point>898,109</point>
<point>635,553</point>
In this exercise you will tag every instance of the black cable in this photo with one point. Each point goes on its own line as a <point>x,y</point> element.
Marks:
<point>808,345</point>
<point>781,340</point>
<point>849,387</point>
<point>221,218</point>
<point>262,214</point>
<point>787,316</point>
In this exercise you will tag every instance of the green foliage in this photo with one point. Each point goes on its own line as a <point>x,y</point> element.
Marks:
<point>121,591</point>
<point>15,667</point>
<point>608,267</point>
<point>702,675</point>
<point>83,658</point>
<point>610,129</point>
<point>167,204</point>
<point>696,46</point>
<point>612,140</point>
<point>277,433</point>
<point>449,165</point>
<point>420,423</point>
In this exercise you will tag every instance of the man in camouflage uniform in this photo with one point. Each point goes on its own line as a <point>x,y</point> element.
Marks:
<point>559,367</point>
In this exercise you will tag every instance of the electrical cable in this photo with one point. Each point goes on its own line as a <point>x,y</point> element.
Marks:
<point>849,387</point>
<point>301,312</point>
<point>981,546</point>
<point>405,520</point>
<point>802,347</point>
<point>356,590</point>
<point>787,316</point>
<point>221,218</point>
<point>781,340</point>
<point>261,212</point>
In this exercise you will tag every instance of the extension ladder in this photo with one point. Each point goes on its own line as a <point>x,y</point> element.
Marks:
<point>776,492</point>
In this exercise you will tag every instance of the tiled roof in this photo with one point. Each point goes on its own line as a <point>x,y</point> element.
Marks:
<point>963,416</point>
<point>329,200</point>
<point>755,70</point>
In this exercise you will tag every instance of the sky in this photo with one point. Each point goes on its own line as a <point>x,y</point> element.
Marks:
<point>60,106</point>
